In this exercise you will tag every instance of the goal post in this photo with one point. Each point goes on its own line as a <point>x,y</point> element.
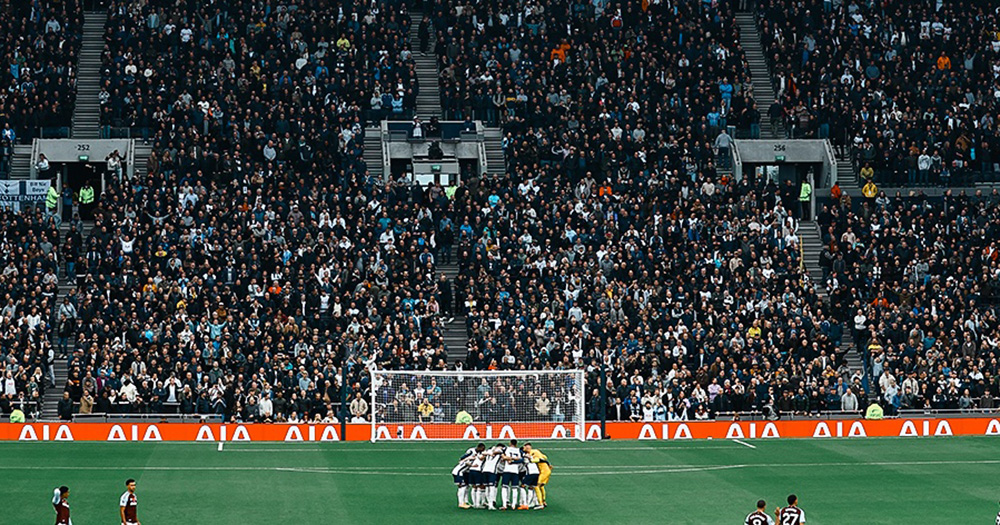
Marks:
<point>477,405</point>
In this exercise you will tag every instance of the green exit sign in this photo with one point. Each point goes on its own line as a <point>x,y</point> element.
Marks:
<point>779,158</point>
<point>83,158</point>
<point>435,167</point>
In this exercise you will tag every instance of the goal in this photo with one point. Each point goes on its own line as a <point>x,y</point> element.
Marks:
<point>475,405</point>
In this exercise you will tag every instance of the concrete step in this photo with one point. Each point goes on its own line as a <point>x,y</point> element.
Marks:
<point>429,99</point>
<point>87,111</point>
<point>373,151</point>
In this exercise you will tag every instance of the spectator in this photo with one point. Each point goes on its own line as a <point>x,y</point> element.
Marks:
<point>65,408</point>
<point>543,406</point>
<point>114,165</point>
<point>849,401</point>
<point>86,403</point>
<point>87,198</point>
<point>723,143</point>
<point>51,198</point>
<point>426,410</point>
<point>359,408</point>
<point>805,200</point>
<point>42,167</point>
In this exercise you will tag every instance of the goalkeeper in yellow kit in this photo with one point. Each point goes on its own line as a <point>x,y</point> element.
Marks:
<point>544,471</point>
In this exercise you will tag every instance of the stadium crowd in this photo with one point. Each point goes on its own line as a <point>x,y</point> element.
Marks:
<point>918,281</point>
<point>267,71</point>
<point>662,69</point>
<point>30,246</point>
<point>232,278</point>
<point>257,262</point>
<point>911,90</point>
<point>39,44</point>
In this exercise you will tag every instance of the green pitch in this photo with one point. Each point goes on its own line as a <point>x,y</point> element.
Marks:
<point>906,480</point>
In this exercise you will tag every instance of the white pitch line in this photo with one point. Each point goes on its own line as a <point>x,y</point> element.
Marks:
<point>293,449</point>
<point>333,471</point>
<point>642,469</point>
<point>744,443</point>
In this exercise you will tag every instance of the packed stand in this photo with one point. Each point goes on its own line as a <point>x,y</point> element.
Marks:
<point>271,70</point>
<point>917,280</point>
<point>911,90</point>
<point>689,291</point>
<point>31,318</point>
<point>257,260</point>
<point>40,42</point>
<point>660,68</point>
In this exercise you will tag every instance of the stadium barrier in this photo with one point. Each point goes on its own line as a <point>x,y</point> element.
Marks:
<point>216,432</point>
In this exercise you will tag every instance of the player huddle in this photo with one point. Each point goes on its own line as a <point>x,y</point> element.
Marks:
<point>521,472</point>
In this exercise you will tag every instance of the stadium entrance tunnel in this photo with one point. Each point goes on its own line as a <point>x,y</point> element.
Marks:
<point>74,163</point>
<point>789,163</point>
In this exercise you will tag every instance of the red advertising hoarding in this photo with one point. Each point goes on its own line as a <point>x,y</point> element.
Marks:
<point>193,432</point>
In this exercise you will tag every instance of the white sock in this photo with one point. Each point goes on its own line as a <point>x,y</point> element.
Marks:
<point>491,495</point>
<point>524,496</point>
<point>461,495</point>
<point>532,498</point>
<point>477,496</point>
<point>505,495</point>
<point>513,496</point>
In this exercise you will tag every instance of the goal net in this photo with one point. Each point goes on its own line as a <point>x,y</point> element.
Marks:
<point>542,404</point>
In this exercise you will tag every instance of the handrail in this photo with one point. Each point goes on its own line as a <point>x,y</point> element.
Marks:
<point>54,132</point>
<point>481,148</point>
<point>124,132</point>
<point>383,144</point>
<point>130,158</point>
<point>17,403</point>
<point>865,371</point>
<point>749,415</point>
<point>737,161</point>
<point>802,255</point>
<point>179,418</point>
<point>907,413</point>
<point>32,170</point>
<point>833,161</point>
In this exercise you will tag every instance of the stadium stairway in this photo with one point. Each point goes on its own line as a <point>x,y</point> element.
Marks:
<point>812,245</point>
<point>456,340</point>
<point>141,153</point>
<point>429,94</point>
<point>87,112</point>
<point>50,401</point>
<point>846,177</point>
<point>760,73</point>
<point>495,164</point>
<point>373,150</point>
<point>20,164</point>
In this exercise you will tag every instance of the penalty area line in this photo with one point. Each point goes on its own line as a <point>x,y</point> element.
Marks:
<point>744,443</point>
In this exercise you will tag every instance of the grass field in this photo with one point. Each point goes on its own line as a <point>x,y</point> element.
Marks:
<point>889,480</point>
